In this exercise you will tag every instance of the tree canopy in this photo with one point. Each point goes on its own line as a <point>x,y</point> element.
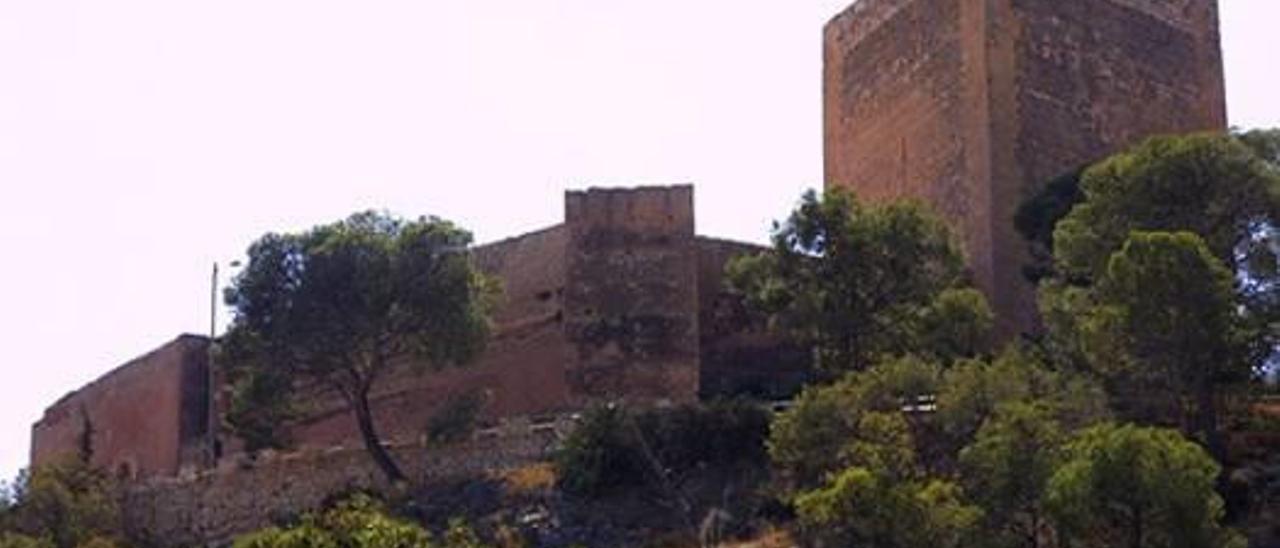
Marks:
<point>860,281</point>
<point>335,305</point>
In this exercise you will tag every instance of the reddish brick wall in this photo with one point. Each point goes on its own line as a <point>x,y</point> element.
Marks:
<point>898,112</point>
<point>972,104</point>
<point>631,294</point>
<point>145,418</point>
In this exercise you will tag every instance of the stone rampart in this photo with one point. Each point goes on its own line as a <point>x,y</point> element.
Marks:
<point>244,495</point>
<point>145,418</point>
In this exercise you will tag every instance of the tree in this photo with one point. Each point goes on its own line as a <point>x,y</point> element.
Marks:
<point>1213,185</point>
<point>64,504</point>
<point>859,507</point>
<point>1007,469</point>
<point>1223,189</point>
<point>336,305</point>
<point>854,280</point>
<point>973,391</point>
<point>856,421</point>
<point>1137,487</point>
<point>1168,305</point>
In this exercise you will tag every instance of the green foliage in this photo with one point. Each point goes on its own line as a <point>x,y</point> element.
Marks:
<point>972,391</point>
<point>1007,469</point>
<point>66,504</point>
<point>600,455</point>
<point>1136,487</point>
<point>836,426</point>
<point>1212,185</point>
<point>1166,318</point>
<point>335,305</point>
<point>14,540</point>
<point>857,281</point>
<point>615,448</point>
<point>456,419</point>
<point>859,507</point>
<point>359,522</point>
<point>957,325</point>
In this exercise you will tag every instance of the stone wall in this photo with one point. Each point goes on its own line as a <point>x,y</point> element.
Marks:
<point>739,354</point>
<point>1089,78</point>
<point>971,105</point>
<point>144,418</point>
<point>631,294</point>
<point>898,113</point>
<point>244,495</point>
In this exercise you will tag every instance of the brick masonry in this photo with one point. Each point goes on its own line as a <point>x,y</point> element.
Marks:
<point>971,105</point>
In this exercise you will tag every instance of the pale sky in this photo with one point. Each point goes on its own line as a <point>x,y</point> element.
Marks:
<point>141,140</point>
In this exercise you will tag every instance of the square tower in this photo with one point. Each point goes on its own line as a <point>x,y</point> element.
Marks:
<point>631,295</point>
<point>972,105</point>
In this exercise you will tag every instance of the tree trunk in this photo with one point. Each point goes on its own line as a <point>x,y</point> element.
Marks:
<point>381,457</point>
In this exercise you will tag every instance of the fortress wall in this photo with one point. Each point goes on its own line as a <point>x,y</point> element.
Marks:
<point>738,352</point>
<point>144,418</point>
<point>244,495</point>
<point>1089,78</point>
<point>631,294</point>
<point>970,105</point>
<point>899,111</point>
<point>520,373</point>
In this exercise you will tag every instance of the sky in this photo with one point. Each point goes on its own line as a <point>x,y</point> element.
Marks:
<point>143,140</point>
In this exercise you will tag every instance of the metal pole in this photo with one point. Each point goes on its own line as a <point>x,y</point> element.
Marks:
<point>212,390</point>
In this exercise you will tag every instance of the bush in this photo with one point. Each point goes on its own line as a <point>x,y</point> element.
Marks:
<point>614,448</point>
<point>66,504</point>
<point>1138,487</point>
<point>456,419</point>
<point>358,522</point>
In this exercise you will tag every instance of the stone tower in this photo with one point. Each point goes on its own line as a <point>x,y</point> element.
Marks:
<point>970,105</point>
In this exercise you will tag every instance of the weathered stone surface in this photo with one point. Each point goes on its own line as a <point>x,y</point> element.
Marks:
<point>631,295</point>
<point>242,495</point>
<point>970,105</point>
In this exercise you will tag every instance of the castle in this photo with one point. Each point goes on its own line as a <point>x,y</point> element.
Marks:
<point>966,104</point>
<point>621,302</point>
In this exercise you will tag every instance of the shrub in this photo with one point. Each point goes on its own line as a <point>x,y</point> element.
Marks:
<point>358,522</point>
<point>614,447</point>
<point>456,419</point>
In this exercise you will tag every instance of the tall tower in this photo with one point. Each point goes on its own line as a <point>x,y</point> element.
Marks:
<point>971,105</point>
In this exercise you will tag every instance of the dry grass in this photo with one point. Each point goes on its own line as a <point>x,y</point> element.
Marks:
<point>776,538</point>
<point>532,478</point>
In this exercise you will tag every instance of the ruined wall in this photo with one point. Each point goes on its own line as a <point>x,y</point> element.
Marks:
<point>631,294</point>
<point>972,104</point>
<point>144,418</point>
<point>739,354</point>
<point>244,495</point>
<point>520,373</point>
